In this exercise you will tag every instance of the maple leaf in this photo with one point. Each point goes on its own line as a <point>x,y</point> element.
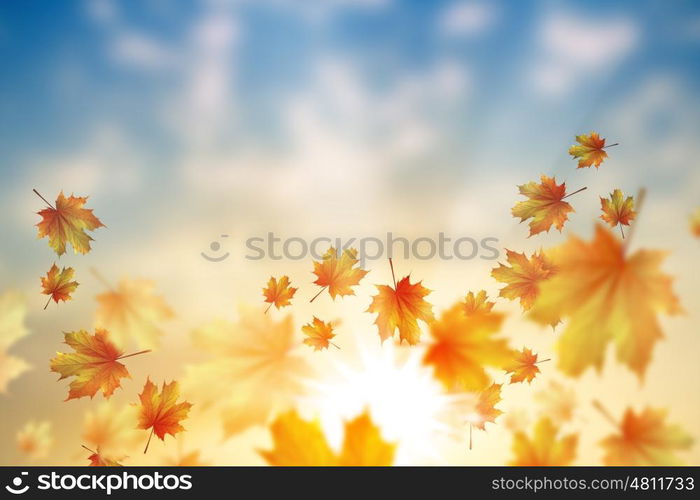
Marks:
<point>401,307</point>
<point>523,277</point>
<point>544,448</point>
<point>161,412</point>
<point>523,366</point>
<point>67,223</point>
<point>645,439</point>
<point>255,369</point>
<point>618,210</point>
<point>606,296</point>
<point>110,428</point>
<point>94,364</point>
<point>695,223</point>
<point>339,275</point>
<point>278,293</point>
<point>318,333</point>
<point>132,312</point>
<point>13,311</point>
<point>486,410</point>
<point>590,150</point>
<point>58,285</point>
<point>298,442</point>
<point>557,402</point>
<point>477,305</point>
<point>545,206</point>
<point>35,439</point>
<point>464,346</point>
<point>97,459</point>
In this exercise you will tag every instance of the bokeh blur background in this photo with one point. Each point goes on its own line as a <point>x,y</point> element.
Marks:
<point>183,121</point>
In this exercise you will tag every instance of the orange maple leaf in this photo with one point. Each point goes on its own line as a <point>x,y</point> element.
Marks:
<point>464,346</point>
<point>618,210</point>
<point>58,285</point>
<point>590,150</point>
<point>279,292</point>
<point>477,305</point>
<point>66,223</point>
<point>695,223</point>
<point>523,277</point>
<point>94,364</point>
<point>644,439</point>
<point>318,334</point>
<point>299,442</point>
<point>161,412</point>
<point>544,449</point>
<point>607,296</point>
<point>545,206</point>
<point>486,410</point>
<point>97,459</point>
<point>401,307</point>
<point>523,366</point>
<point>339,275</point>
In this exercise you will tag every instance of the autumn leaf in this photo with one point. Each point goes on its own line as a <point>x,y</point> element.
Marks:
<point>339,275</point>
<point>557,402</point>
<point>318,334</point>
<point>278,293</point>
<point>590,150</point>
<point>97,459</point>
<point>161,412</point>
<point>132,312</point>
<point>477,305</point>
<point>400,308</point>
<point>618,210</point>
<point>645,438</point>
<point>35,439</point>
<point>94,364</point>
<point>67,223</point>
<point>545,205</point>
<point>58,285</point>
<point>544,448</point>
<point>523,366</point>
<point>13,311</point>
<point>607,296</point>
<point>486,410</point>
<point>110,428</point>
<point>523,276</point>
<point>695,223</point>
<point>463,347</point>
<point>298,442</point>
<point>256,369</point>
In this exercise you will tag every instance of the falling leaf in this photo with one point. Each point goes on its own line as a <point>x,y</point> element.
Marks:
<point>94,364</point>
<point>97,459</point>
<point>523,277</point>
<point>695,223</point>
<point>339,275</point>
<point>463,347</point>
<point>255,369</point>
<point>318,334</point>
<point>477,305</point>
<point>13,311</point>
<point>161,412</point>
<point>401,307</point>
<point>606,296</point>
<point>67,223</point>
<point>523,366</point>
<point>279,292</point>
<point>35,439</point>
<point>617,209</point>
<point>590,150</point>
<point>132,312</point>
<point>298,442</point>
<point>645,439</point>
<point>544,449</point>
<point>110,428</point>
<point>545,205</point>
<point>58,285</point>
<point>557,402</point>
<point>486,410</point>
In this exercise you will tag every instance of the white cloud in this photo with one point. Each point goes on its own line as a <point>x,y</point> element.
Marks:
<point>464,19</point>
<point>572,49</point>
<point>142,52</point>
<point>102,11</point>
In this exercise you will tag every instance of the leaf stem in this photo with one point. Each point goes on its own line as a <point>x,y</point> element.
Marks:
<point>611,145</point>
<point>598,406</point>
<point>334,345</point>
<point>47,303</point>
<point>393,277</point>
<point>268,308</point>
<point>88,449</point>
<point>542,361</point>
<point>134,354</point>
<point>577,191</point>
<point>470,436</point>
<point>44,199</point>
<point>622,231</point>
<point>319,293</point>
<point>149,441</point>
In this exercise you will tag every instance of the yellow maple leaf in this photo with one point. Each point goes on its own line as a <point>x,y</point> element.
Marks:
<point>544,448</point>
<point>279,292</point>
<point>523,366</point>
<point>477,305</point>
<point>338,274</point>
<point>299,442</point>
<point>618,210</point>
<point>35,439</point>
<point>131,312</point>
<point>606,296</point>
<point>13,311</point>
<point>58,285</point>
<point>523,277</point>
<point>590,150</point>
<point>318,334</point>
<point>545,205</point>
